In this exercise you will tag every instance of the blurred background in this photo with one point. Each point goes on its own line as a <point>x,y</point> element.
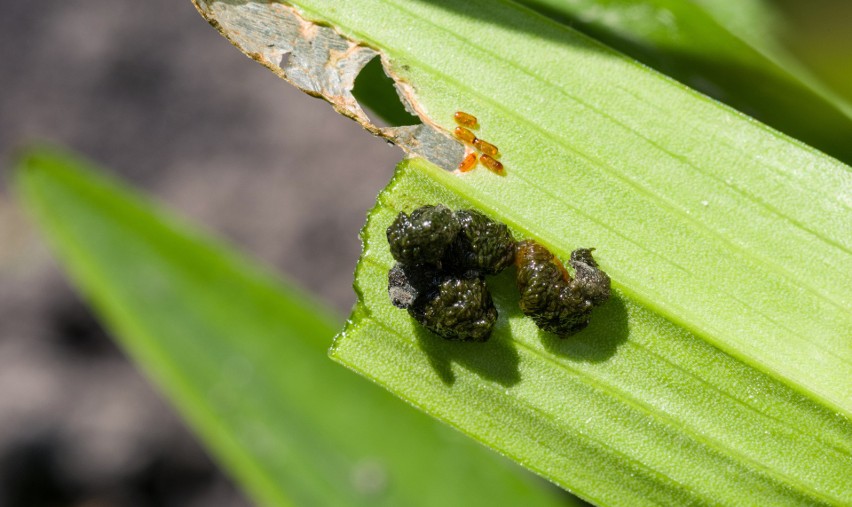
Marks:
<point>154,94</point>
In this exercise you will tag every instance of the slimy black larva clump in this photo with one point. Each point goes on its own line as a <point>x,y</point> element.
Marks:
<point>481,245</point>
<point>423,236</point>
<point>443,257</point>
<point>453,307</point>
<point>554,300</point>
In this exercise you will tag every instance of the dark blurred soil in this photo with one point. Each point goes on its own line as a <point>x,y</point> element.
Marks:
<point>154,94</point>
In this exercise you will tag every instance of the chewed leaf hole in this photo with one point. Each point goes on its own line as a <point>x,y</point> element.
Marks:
<point>375,91</point>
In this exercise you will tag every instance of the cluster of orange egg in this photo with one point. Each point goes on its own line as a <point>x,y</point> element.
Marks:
<point>487,151</point>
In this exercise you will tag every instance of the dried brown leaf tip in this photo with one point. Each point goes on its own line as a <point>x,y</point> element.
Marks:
<point>487,151</point>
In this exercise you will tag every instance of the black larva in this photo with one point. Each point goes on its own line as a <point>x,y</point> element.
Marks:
<point>481,245</point>
<point>443,257</point>
<point>423,236</point>
<point>556,302</point>
<point>451,306</point>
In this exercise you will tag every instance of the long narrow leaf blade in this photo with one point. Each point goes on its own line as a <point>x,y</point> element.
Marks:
<point>720,372</point>
<point>243,357</point>
<point>723,48</point>
<point>720,224</point>
<point>636,410</point>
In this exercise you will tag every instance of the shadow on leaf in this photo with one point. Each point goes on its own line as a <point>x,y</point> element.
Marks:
<point>495,360</point>
<point>606,332</point>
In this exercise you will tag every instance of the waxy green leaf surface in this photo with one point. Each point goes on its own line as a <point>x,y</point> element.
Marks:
<point>718,223</point>
<point>635,410</point>
<point>725,48</point>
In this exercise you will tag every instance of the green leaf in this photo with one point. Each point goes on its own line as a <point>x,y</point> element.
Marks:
<point>243,357</point>
<point>374,89</point>
<point>725,48</point>
<point>635,410</point>
<point>720,372</point>
<point>725,227</point>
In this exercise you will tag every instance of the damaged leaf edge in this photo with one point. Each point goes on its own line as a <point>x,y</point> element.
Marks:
<point>318,60</point>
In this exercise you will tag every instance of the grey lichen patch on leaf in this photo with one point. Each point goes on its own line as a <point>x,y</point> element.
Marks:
<point>323,63</point>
